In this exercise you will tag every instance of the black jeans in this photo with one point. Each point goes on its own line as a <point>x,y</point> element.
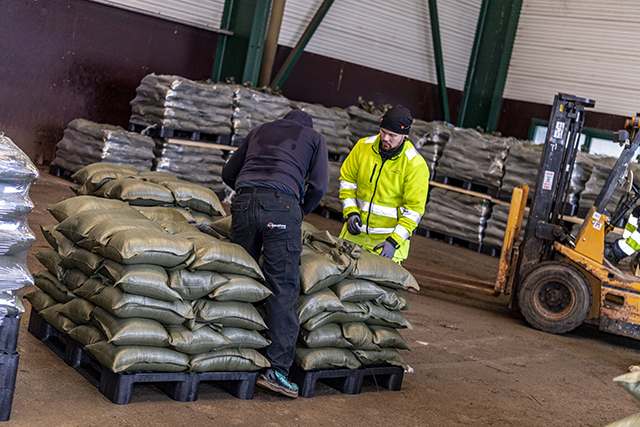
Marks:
<point>269,221</point>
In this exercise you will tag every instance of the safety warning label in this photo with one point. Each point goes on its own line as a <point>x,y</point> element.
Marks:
<point>548,180</point>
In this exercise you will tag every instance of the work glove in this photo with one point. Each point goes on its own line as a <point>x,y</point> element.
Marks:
<point>353,224</point>
<point>388,249</point>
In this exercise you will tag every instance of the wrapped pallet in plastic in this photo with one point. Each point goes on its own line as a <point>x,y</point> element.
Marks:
<point>332,123</point>
<point>599,174</point>
<point>252,108</point>
<point>430,140</point>
<point>17,173</point>
<point>85,142</point>
<point>176,102</point>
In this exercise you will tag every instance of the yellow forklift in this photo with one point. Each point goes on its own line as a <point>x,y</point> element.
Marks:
<point>559,281</point>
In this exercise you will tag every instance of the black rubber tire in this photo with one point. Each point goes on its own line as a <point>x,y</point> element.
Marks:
<point>555,297</point>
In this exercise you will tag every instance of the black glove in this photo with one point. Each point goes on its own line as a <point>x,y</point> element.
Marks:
<point>388,249</point>
<point>353,224</point>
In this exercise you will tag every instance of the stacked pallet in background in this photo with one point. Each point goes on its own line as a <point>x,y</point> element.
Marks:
<point>430,140</point>
<point>252,108</point>
<point>362,123</point>
<point>331,199</point>
<point>332,123</point>
<point>17,173</point>
<point>85,142</point>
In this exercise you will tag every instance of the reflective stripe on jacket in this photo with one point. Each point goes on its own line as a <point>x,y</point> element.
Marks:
<point>390,195</point>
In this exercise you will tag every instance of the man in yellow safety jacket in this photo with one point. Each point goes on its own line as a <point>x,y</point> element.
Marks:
<point>383,188</point>
<point>629,243</point>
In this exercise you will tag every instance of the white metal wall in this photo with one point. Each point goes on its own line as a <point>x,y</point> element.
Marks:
<point>587,48</point>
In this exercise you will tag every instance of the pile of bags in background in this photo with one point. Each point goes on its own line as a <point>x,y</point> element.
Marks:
<point>252,108</point>
<point>332,123</point>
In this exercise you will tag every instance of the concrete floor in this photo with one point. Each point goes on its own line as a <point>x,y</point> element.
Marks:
<point>475,363</point>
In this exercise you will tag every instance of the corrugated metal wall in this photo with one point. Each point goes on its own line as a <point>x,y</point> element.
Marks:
<point>586,48</point>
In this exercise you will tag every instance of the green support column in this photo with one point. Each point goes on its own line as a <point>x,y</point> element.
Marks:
<point>239,55</point>
<point>437,52</point>
<point>489,64</point>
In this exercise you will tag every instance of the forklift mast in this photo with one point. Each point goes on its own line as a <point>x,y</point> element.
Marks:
<point>545,225</point>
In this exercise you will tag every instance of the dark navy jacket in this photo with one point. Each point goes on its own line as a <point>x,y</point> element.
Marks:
<point>287,151</point>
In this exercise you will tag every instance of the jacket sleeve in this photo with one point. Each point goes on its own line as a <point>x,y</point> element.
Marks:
<point>416,187</point>
<point>232,168</point>
<point>349,182</point>
<point>318,178</point>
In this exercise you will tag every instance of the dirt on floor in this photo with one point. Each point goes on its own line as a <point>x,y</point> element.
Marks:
<point>473,362</point>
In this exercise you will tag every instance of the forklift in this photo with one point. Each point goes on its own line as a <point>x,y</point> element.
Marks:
<point>559,281</point>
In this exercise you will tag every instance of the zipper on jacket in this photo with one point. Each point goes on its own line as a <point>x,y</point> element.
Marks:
<point>375,188</point>
<point>373,173</point>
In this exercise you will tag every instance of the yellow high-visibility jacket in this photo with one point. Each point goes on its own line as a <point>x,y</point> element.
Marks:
<point>390,196</point>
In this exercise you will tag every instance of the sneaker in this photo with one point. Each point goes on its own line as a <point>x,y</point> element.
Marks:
<point>275,381</point>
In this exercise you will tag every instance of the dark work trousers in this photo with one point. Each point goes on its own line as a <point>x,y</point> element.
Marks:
<point>270,221</point>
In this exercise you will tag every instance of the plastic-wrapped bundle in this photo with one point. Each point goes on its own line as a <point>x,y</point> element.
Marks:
<point>331,199</point>
<point>599,174</point>
<point>456,214</point>
<point>253,108</point>
<point>199,164</point>
<point>475,157</point>
<point>332,123</point>
<point>17,173</point>
<point>362,123</point>
<point>85,142</point>
<point>178,103</point>
<point>431,138</point>
<point>497,224</point>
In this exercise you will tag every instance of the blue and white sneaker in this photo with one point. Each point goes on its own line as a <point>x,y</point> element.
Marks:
<point>275,381</point>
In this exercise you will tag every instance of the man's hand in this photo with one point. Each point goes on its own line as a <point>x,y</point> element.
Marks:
<point>387,249</point>
<point>353,224</point>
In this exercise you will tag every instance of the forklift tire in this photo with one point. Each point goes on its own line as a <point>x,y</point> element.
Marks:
<point>555,297</point>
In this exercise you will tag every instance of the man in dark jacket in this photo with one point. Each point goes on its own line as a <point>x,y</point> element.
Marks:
<point>280,174</point>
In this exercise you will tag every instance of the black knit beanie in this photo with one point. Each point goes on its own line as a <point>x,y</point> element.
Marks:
<point>397,120</point>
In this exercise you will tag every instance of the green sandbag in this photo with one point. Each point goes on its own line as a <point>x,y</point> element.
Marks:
<point>360,336</point>
<point>74,205</point>
<point>177,227</point>
<point>630,382</point>
<point>51,260</point>
<point>77,226</point>
<point>61,244</point>
<point>305,226</point>
<point>353,313</point>
<point>385,355</point>
<point>378,315</point>
<point>199,341</point>
<point>86,334</point>
<point>94,171</point>
<point>196,197</point>
<point>40,300</point>
<point>136,192</point>
<point>125,306</point>
<point>240,288</point>
<point>158,177</point>
<point>78,310</point>
<point>132,331</point>
<point>140,279</point>
<point>202,218</point>
<point>357,290</point>
<point>74,278</point>
<point>186,214</point>
<point>228,314</point>
<point>213,255</point>
<point>229,360</point>
<point>160,213</point>
<point>384,272</point>
<point>325,358</point>
<point>148,247</point>
<point>244,338</point>
<point>52,286</point>
<point>47,232</point>
<point>85,261</point>
<point>138,358</point>
<point>92,286</point>
<point>329,335</point>
<point>322,301</point>
<point>222,226</point>
<point>393,299</point>
<point>630,421</point>
<point>100,235</point>
<point>385,336</point>
<point>52,316</point>
<point>192,285</point>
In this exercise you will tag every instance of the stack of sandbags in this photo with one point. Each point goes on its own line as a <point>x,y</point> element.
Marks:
<point>331,199</point>
<point>430,138</point>
<point>475,157</point>
<point>141,292</point>
<point>190,162</point>
<point>456,214</point>
<point>178,103</point>
<point>332,123</point>
<point>350,306</point>
<point>17,173</point>
<point>252,108</point>
<point>362,123</point>
<point>599,174</point>
<point>86,142</point>
<point>497,225</point>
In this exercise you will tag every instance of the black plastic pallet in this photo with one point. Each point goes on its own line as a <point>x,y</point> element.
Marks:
<point>9,333</point>
<point>347,381</point>
<point>451,240</point>
<point>191,135</point>
<point>468,185</point>
<point>118,387</point>
<point>8,373</point>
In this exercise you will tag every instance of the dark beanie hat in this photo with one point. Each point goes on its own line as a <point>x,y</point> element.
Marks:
<point>397,120</point>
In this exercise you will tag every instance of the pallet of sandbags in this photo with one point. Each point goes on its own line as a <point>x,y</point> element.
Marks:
<point>332,124</point>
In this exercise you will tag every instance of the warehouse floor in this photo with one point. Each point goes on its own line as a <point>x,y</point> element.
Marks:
<point>474,362</point>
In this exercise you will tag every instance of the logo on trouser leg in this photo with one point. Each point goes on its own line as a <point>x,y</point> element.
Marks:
<point>280,226</point>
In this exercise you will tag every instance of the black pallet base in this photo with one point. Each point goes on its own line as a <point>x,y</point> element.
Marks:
<point>118,387</point>
<point>8,372</point>
<point>467,185</point>
<point>191,135</point>
<point>438,235</point>
<point>60,172</point>
<point>9,334</point>
<point>348,381</point>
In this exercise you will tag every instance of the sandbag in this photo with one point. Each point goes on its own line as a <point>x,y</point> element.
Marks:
<point>160,213</point>
<point>223,226</point>
<point>52,286</point>
<point>132,331</point>
<point>93,176</point>
<point>40,300</point>
<point>202,340</point>
<point>76,227</point>
<point>192,285</point>
<point>393,299</point>
<point>229,360</point>
<point>47,232</point>
<point>228,314</point>
<point>201,218</point>
<point>318,302</point>
<point>177,227</point>
<point>360,336</point>
<point>74,278</point>
<point>329,335</point>
<point>244,338</point>
<point>74,205</point>
<point>630,382</point>
<point>138,358</point>
<point>100,235</point>
<point>378,315</point>
<point>85,261</point>
<point>52,316</point>
<point>383,271</point>
<point>51,261</point>
<point>385,355</point>
<point>92,286</point>
<point>353,313</point>
<point>325,358</point>
<point>357,290</point>
<point>140,279</point>
<point>78,310</point>
<point>240,288</point>
<point>86,334</point>
<point>388,337</point>
<point>196,197</point>
<point>136,192</point>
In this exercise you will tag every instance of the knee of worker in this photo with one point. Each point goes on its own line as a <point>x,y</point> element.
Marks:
<point>623,248</point>
<point>636,212</point>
